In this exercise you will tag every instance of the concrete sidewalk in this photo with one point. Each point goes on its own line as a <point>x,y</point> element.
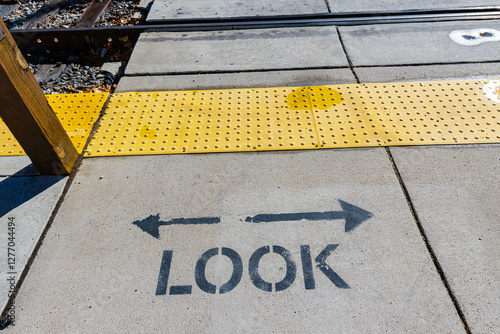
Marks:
<point>369,240</point>
<point>100,271</point>
<point>27,203</point>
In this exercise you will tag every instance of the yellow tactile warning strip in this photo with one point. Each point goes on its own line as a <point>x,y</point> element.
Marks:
<point>77,113</point>
<point>357,115</point>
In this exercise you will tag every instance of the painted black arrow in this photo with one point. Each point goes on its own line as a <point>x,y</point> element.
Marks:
<point>152,224</point>
<point>353,216</point>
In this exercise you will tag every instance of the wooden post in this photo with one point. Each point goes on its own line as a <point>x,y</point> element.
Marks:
<point>28,115</point>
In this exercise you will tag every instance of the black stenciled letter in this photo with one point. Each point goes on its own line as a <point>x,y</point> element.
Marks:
<point>305,255</point>
<point>201,279</point>
<point>291,268</point>
<point>161,287</point>
<point>253,269</point>
<point>237,270</point>
<point>325,268</point>
<point>166,261</point>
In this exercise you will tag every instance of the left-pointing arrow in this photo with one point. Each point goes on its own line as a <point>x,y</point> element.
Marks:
<point>152,224</point>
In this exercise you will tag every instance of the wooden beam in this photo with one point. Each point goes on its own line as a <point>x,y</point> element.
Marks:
<point>28,115</point>
<point>5,10</point>
<point>48,10</point>
<point>93,13</point>
<point>48,71</point>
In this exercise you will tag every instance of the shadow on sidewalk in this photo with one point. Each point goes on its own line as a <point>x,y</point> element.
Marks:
<point>19,189</point>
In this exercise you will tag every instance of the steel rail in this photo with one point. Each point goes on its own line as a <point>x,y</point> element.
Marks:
<point>81,38</point>
<point>346,16</point>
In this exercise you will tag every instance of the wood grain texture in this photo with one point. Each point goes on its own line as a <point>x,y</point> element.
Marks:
<point>48,10</point>
<point>25,110</point>
<point>48,71</point>
<point>93,13</point>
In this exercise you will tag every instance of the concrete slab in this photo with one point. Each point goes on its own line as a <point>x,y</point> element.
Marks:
<point>346,6</point>
<point>158,53</point>
<point>120,258</point>
<point>26,204</point>
<point>17,165</point>
<point>196,9</point>
<point>456,195</point>
<point>236,80</point>
<point>416,43</point>
<point>111,67</point>
<point>429,72</point>
<point>146,4</point>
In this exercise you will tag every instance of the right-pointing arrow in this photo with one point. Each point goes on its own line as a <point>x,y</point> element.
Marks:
<point>352,215</point>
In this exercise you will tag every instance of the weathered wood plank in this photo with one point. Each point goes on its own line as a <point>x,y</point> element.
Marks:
<point>93,13</point>
<point>49,71</point>
<point>5,10</point>
<point>51,8</point>
<point>25,110</point>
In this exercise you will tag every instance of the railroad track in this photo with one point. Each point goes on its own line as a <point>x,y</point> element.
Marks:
<point>83,37</point>
<point>61,43</point>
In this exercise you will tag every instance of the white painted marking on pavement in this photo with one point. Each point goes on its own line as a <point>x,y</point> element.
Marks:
<point>492,90</point>
<point>475,36</point>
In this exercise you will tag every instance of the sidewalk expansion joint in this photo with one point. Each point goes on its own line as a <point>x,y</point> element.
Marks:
<point>262,70</point>
<point>425,239</point>
<point>429,64</point>
<point>98,109</point>
<point>290,118</point>
<point>351,67</point>
<point>328,6</point>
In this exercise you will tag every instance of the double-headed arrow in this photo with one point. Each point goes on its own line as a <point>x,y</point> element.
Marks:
<point>352,215</point>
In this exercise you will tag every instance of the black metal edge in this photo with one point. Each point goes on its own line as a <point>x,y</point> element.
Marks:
<point>80,38</point>
<point>346,15</point>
